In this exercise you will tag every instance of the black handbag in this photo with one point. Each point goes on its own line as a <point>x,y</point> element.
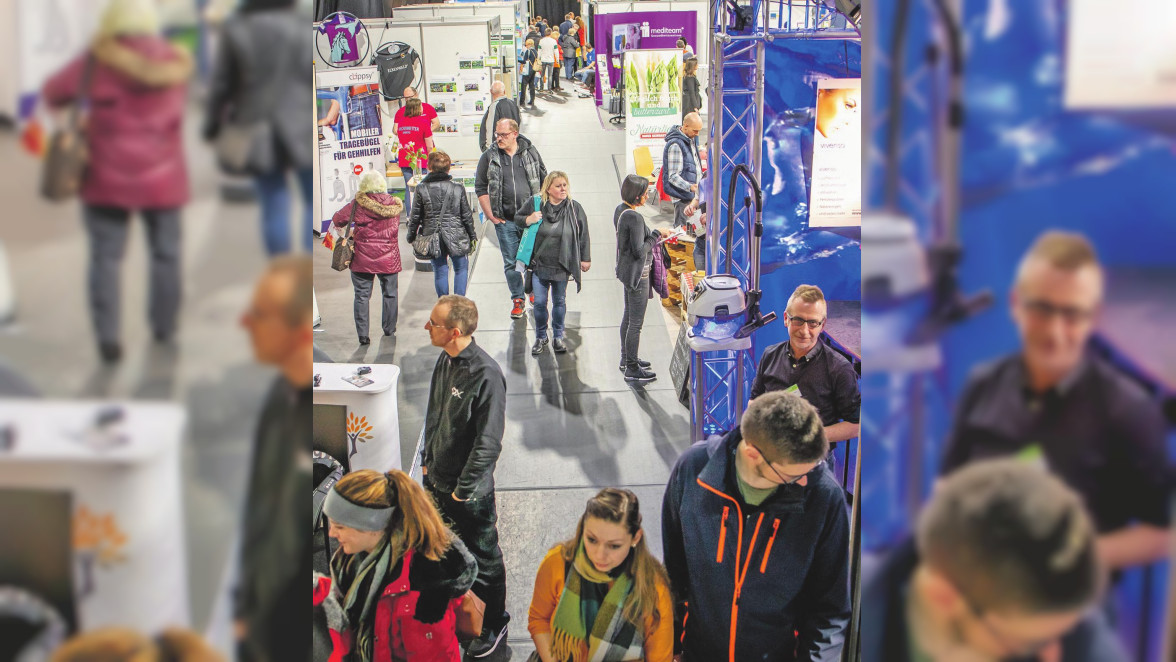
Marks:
<point>427,247</point>
<point>345,248</point>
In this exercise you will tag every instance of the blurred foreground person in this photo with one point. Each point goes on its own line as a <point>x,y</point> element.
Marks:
<point>125,645</point>
<point>399,573</point>
<point>273,623</point>
<point>262,80</point>
<point>132,83</point>
<point>375,214</point>
<point>1089,423</point>
<point>1004,567</point>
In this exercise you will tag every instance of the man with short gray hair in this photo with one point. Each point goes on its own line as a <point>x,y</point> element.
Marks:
<point>501,107</point>
<point>682,167</point>
<point>755,536</point>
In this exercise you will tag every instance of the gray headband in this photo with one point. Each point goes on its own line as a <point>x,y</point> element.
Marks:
<point>341,511</point>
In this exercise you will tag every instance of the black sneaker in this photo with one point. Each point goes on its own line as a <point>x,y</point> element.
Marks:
<point>559,345</point>
<point>364,340</point>
<point>643,364</point>
<point>111,352</point>
<point>539,346</point>
<point>487,643</point>
<point>639,375</point>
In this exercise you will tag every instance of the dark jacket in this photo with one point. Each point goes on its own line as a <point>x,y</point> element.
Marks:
<point>535,36</point>
<point>691,96</point>
<point>136,97</point>
<point>569,44</point>
<point>464,422</point>
<point>441,205</point>
<point>253,47</point>
<point>275,547</point>
<point>504,109</point>
<point>885,632</point>
<point>488,179</point>
<point>634,243</point>
<point>574,243</point>
<point>565,27</point>
<point>689,170</point>
<point>797,545</point>
<point>377,223</point>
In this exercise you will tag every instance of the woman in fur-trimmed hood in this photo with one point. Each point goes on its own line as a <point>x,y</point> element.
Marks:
<point>377,249</point>
<point>133,84</point>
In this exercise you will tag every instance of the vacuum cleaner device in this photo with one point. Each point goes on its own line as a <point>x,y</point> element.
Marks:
<point>719,309</point>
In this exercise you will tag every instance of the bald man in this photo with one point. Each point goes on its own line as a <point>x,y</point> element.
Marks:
<point>682,167</point>
<point>426,110</point>
<point>501,108</point>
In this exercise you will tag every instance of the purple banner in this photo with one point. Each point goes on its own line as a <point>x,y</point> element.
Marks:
<point>614,34</point>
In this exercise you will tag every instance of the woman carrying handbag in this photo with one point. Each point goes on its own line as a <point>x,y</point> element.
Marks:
<point>441,225</point>
<point>376,216</point>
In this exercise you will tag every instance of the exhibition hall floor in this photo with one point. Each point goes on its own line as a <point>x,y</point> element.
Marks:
<point>573,424</point>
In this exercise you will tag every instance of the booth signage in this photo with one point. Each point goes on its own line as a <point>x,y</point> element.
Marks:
<point>350,135</point>
<point>837,155</point>
<point>653,101</point>
<point>616,34</point>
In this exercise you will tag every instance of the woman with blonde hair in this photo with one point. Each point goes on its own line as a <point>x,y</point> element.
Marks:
<point>602,595</point>
<point>399,573</point>
<point>562,250</point>
<point>133,83</point>
<point>375,215</point>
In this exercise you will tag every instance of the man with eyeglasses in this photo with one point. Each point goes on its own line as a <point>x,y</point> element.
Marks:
<point>1003,566</point>
<point>804,365</point>
<point>509,174</point>
<point>755,536</point>
<point>464,423</point>
<point>1056,403</point>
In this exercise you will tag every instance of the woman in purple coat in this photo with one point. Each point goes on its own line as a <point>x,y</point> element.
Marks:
<point>134,97</point>
<point>377,249</point>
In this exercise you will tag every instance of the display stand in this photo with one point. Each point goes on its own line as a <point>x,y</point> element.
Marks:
<point>130,560</point>
<point>371,424</point>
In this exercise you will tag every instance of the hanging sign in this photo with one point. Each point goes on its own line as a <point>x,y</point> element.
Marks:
<point>653,100</point>
<point>350,135</point>
<point>836,193</point>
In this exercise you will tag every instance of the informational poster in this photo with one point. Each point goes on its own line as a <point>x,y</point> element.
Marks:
<point>471,62</point>
<point>615,34</point>
<point>444,104</point>
<point>602,71</point>
<point>472,105</point>
<point>836,193</point>
<point>653,101</point>
<point>449,125</point>
<point>1116,61</point>
<point>442,85</point>
<point>350,134</point>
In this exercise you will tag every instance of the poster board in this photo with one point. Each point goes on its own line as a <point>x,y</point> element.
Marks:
<point>836,191</point>
<point>693,13</point>
<point>617,34</point>
<point>456,77</point>
<point>353,143</point>
<point>653,101</point>
<point>1116,61</point>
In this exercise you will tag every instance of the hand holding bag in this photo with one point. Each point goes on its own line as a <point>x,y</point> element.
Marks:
<point>67,154</point>
<point>345,248</point>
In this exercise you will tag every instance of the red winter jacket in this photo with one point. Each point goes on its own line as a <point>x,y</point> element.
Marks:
<point>133,125</point>
<point>377,222</point>
<point>402,638</point>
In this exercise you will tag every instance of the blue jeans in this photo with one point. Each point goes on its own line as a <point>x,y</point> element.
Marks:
<point>273,192</point>
<point>407,170</point>
<point>461,272</point>
<point>559,305</point>
<point>700,253</point>
<point>509,236</point>
<point>569,67</point>
<point>363,117</point>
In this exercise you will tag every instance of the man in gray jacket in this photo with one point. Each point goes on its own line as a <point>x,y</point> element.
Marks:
<point>501,107</point>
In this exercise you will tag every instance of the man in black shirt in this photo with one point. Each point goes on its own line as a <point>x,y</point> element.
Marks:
<point>803,363</point>
<point>1055,403</point>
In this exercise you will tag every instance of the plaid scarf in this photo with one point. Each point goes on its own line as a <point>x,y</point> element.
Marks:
<point>611,638</point>
<point>358,581</point>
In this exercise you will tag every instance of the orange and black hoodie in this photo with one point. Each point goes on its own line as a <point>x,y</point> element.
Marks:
<point>766,583</point>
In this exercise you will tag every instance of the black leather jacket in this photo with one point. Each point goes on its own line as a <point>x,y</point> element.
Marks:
<point>441,205</point>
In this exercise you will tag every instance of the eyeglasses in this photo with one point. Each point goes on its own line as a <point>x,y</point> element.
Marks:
<point>789,480</point>
<point>800,321</point>
<point>504,135</point>
<point>1045,311</point>
<point>430,324</point>
<point>1013,649</point>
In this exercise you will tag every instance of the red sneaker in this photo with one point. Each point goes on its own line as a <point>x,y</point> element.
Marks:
<point>518,309</point>
<point>532,299</point>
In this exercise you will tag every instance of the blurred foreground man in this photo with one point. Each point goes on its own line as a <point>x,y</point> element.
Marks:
<point>1053,402</point>
<point>1004,567</point>
<point>273,615</point>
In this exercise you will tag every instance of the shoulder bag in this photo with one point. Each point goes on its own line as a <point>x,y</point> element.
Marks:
<point>428,247</point>
<point>67,155</point>
<point>470,616</point>
<point>345,248</point>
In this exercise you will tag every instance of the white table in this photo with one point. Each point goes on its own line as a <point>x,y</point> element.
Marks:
<point>373,425</point>
<point>130,564</point>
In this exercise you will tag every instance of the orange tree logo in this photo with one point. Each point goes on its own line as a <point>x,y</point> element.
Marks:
<point>97,540</point>
<point>358,431</point>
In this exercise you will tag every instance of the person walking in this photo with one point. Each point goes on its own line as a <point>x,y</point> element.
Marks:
<point>548,52</point>
<point>527,69</point>
<point>691,95</point>
<point>441,207</point>
<point>569,43</point>
<point>635,246</point>
<point>501,107</point>
<point>136,160</point>
<point>399,573</point>
<point>253,47</point>
<point>509,174</point>
<point>464,422</point>
<point>375,214</point>
<point>414,132</point>
<point>562,250</point>
<point>601,595</point>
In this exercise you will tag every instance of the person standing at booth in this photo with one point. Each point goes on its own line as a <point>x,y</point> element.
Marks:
<point>682,167</point>
<point>276,551</point>
<point>414,132</point>
<point>426,109</point>
<point>464,423</point>
<point>756,540</point>
<point>635,246</point>
<point>501,107</point>
<point>373,218</point>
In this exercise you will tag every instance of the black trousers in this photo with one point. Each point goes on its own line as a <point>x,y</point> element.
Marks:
<point>527,84</point>
<point>363,284</point>
<point>476,523</point>
<point>636,301</point>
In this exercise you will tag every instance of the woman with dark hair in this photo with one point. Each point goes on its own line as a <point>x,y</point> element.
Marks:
<point>602,595</point>
<point>414,132</point>
<point>399,573</point>
<point>635,242</point>
<point>375,215</point>
<point>441,206</point>
<point>691,96</point>
<point>562,251</point>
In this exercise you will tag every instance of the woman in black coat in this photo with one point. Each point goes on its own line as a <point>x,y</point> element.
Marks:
<point>635,242</point>
<point>562,250</point>
<point>441,206</point>
<point>691,96</point>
